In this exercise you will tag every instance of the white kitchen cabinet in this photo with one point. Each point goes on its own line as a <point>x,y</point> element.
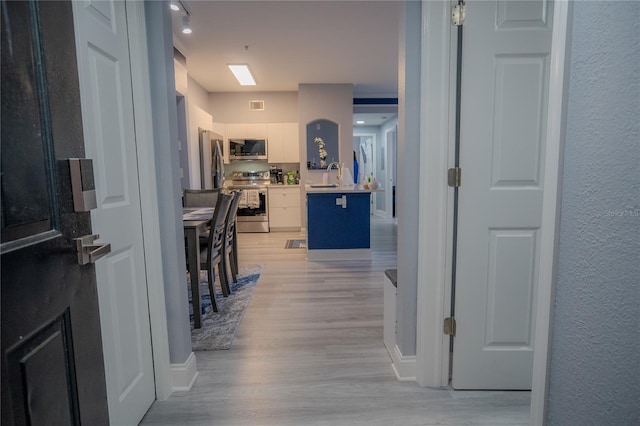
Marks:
<point>236,130</point>
<point>291,146</point>
<point>275,140</point>
<point>256,130</point>
<point>284,208</point>
<point>283,143</point>
<point>246,130</point>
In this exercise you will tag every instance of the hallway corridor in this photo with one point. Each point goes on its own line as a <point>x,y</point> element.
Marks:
<point>309,351</point>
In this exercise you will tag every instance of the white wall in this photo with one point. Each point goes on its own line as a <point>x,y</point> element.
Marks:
<point>198,119</point>
<point>330,102</point>
<point>233,107</point>
<point>197,116</point>
<point>409,168</point>
<point>182,79</point>
<point>197,95</point>
<point>165,134</point>
<point>182,90</point>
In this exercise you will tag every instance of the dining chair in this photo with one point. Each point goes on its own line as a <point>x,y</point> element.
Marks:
<point>200,197</point>
<point>230,241</point>
<point>211,257</point>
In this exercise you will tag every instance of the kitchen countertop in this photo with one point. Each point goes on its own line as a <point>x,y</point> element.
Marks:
<point>278,186</point>
<point>341,189</point>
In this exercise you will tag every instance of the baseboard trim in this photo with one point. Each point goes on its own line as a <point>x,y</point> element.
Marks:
<point>284,228</point>
<point>183,376</point>
<point>403,366</point>
<point>339,254</point>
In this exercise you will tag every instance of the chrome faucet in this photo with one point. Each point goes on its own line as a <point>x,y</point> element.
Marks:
<point>337,164</point>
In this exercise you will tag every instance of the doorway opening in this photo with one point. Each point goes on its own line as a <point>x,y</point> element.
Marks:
<point>375,150</point>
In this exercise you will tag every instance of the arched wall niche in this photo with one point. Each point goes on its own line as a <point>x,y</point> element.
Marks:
<point>323,145</point>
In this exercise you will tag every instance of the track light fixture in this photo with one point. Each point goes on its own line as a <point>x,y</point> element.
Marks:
<point>179,6</point>
<point>186,27</point>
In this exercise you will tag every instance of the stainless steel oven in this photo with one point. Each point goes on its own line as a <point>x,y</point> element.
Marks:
<point>253,210</point>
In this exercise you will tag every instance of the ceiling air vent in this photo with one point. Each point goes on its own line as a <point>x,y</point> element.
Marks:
<point>256,105</point>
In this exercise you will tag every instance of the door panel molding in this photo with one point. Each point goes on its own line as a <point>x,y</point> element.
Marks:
<point>515,95</point>
<point>32,359</point>
<point>509,247</point>
<point>529,14</point>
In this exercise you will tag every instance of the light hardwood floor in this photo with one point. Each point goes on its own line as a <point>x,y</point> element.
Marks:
<point>309,351</point>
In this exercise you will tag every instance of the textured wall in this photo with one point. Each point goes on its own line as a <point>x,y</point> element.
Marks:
<point>164,114</point>
<point>407,186</point>
<point>595,352</point>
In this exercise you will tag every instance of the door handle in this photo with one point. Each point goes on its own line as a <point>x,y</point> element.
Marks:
<point>342,201</point>
<point>89,252</point>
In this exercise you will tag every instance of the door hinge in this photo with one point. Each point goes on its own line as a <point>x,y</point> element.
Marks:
<point>450,326</point>
<point>457,14</point>
<point>454,177</point>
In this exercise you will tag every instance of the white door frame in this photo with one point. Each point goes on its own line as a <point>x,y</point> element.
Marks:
<point>148,197</point>
<point>435,225</point>
<point>556,119</point>
<point>434,203</point>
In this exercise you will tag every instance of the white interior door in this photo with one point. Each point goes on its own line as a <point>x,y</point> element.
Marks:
<point>107,109</point>
<point>365,153</point>
<point>390,174</point>
<point>380,174</point>
<point>506,48</point>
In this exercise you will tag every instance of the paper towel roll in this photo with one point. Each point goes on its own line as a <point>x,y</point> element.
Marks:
<point>347,178</point>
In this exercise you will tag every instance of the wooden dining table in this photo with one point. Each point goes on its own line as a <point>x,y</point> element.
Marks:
<point>195,221</point>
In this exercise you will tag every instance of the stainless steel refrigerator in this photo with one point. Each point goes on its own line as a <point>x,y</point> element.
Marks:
<point>211,160</point>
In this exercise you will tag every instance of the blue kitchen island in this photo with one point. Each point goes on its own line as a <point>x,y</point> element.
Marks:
<point>338,223</point>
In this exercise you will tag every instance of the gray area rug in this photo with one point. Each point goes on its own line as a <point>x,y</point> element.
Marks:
<point>219,328</point>
<point>296,244</point>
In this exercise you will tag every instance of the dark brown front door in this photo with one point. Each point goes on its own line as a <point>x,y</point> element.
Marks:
<point>52,364</point>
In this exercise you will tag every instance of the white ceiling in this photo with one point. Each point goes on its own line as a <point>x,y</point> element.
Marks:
<point>293,42</point>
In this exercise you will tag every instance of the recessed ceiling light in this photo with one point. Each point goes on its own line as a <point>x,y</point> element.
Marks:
<point>243,75</point>
<point>174,6</point>
<point>359,122</point>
